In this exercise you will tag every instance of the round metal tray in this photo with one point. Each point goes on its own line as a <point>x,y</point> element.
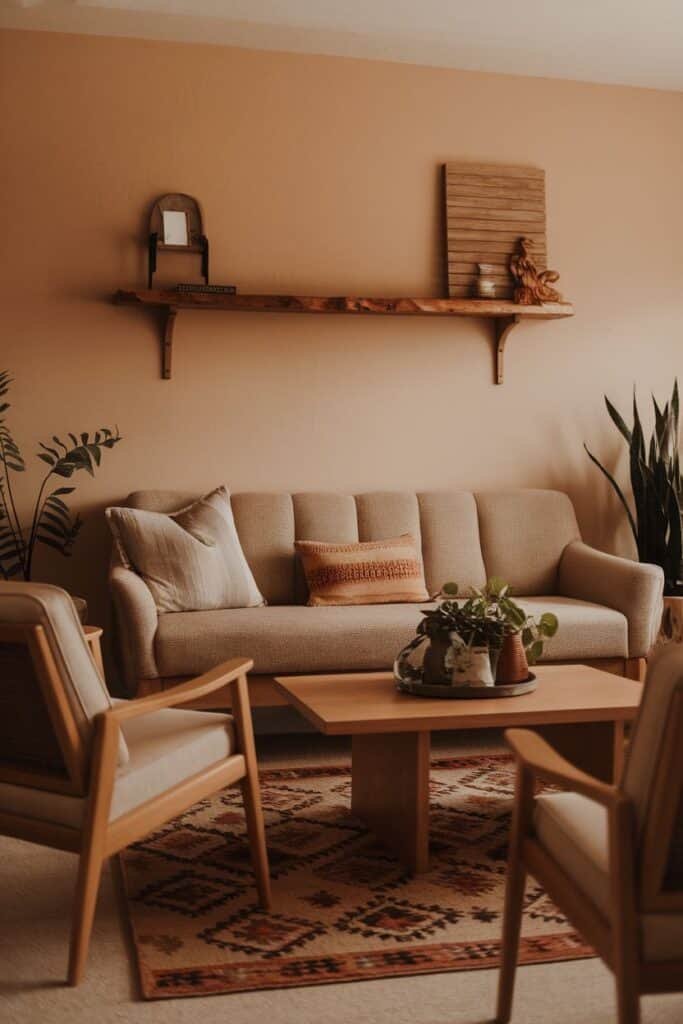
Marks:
<point>418,689</point>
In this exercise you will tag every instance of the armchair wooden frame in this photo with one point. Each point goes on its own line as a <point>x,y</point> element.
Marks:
<point>91,774</point>
<point>635,888</point>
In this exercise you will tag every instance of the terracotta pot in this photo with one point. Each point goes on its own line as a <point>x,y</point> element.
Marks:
<point>671,629</point>
<point>513,666</point>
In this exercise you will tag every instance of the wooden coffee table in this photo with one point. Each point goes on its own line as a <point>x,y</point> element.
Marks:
<point>580,710</point>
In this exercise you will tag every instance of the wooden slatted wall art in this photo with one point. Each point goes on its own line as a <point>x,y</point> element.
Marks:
<point>488,208</point>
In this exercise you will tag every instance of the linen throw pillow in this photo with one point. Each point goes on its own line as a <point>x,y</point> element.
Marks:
<point>371,572</point>
<point>191,560</point>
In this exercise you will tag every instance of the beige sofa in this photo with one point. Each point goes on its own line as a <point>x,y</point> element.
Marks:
<point>609,608</point>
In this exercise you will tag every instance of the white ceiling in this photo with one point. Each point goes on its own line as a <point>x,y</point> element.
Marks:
<point>629,42</point>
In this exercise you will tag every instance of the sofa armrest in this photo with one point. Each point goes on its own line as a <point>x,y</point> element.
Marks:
<point>633,588</point>
<point>136,626</point>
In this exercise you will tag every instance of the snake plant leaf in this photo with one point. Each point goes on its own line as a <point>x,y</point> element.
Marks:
<point>617,490</point>
<point>618,420</point>
<point>675,405</point>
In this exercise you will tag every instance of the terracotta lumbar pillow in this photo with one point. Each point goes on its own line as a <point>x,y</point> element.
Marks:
<point>191,560</point>
<point>372,572</point>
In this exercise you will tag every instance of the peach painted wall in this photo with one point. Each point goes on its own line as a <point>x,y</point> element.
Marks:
<point>320,175</point>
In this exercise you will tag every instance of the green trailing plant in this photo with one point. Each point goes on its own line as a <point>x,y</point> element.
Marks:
<point>51,522</point>
<point>657,487</point>
<point>486,616</point>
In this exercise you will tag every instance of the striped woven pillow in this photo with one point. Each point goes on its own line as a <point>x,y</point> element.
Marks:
<point>372,572</point>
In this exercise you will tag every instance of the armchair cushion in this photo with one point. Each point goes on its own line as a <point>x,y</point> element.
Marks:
<point>574,831</point>
<point>39,604</point>
<point>165,748</point>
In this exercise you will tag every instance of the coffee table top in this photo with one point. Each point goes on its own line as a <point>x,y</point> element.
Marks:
<point>367,702</point>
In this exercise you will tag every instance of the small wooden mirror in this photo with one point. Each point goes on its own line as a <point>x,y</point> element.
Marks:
<point>175,225</point>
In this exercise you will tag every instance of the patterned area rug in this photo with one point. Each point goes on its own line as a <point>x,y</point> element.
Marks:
<point>343,910</point>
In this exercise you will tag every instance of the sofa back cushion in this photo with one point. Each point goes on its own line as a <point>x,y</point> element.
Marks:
<point>451,546</point>
<point>523,535</point>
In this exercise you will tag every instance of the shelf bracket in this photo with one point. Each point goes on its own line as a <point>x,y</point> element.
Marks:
<point>167,342</point>
<point>502,327</point>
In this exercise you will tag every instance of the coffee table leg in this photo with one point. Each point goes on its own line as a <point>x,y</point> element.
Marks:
<point>390,792</point>
<point>595,747</point>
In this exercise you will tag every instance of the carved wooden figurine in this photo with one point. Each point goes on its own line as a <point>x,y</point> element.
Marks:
<point>532,286</point>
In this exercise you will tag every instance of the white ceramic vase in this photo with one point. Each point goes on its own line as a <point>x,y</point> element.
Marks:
<point>471,666</point>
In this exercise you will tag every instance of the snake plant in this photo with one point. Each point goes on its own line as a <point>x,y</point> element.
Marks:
<point>51,522</point>
<point>657,487</point>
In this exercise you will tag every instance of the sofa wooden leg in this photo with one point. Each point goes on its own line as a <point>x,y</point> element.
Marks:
<point>634,668</point>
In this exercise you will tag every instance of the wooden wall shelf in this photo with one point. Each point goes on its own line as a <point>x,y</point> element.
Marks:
<point>504,314</point>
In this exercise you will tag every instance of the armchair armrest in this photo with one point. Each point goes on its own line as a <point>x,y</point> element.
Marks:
<point>535,753</point>
<point>136,625</point>
<point>222,675</point>
<point>633,588</point>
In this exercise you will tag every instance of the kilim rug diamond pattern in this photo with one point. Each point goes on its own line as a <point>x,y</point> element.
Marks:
<point>343,908</point>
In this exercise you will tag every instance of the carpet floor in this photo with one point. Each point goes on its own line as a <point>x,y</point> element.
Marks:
<point>343,907</point>
<point>35,912</point>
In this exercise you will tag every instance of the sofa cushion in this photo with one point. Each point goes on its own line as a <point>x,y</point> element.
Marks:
<point>370,572</point>
<point>287,639</point>
<point>191,560</point>
<point>586,630</point>
<point>451,548</point>
<point>296,639</point>
<point>265,526</point>
<point>268,524</point>
<point>523,535</point>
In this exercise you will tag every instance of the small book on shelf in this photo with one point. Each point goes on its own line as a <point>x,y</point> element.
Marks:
<point>208,289</point>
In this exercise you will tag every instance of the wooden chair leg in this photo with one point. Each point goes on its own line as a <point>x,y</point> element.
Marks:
<point>512,925</point>
<point>251,792</point>
<point>105,747</point>
<point>257,838</point>
<point>625,951</point>
<point>515,885</point>
<point>628,998</point>
<point>87,888</point>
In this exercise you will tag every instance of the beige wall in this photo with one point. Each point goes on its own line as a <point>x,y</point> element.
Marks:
<point>320,175</point>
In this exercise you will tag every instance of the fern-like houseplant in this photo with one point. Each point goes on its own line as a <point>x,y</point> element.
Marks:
<point>657,487</point>
<point>51,522</point>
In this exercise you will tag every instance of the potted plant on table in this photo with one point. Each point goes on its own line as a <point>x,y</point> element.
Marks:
<point>51,522</point>
<point>465,639</point>
<point>657,487</point>
<point>476,642</point>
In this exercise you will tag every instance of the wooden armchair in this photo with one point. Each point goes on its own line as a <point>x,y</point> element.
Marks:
<point>82,773</point>
<point>611,857</point>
